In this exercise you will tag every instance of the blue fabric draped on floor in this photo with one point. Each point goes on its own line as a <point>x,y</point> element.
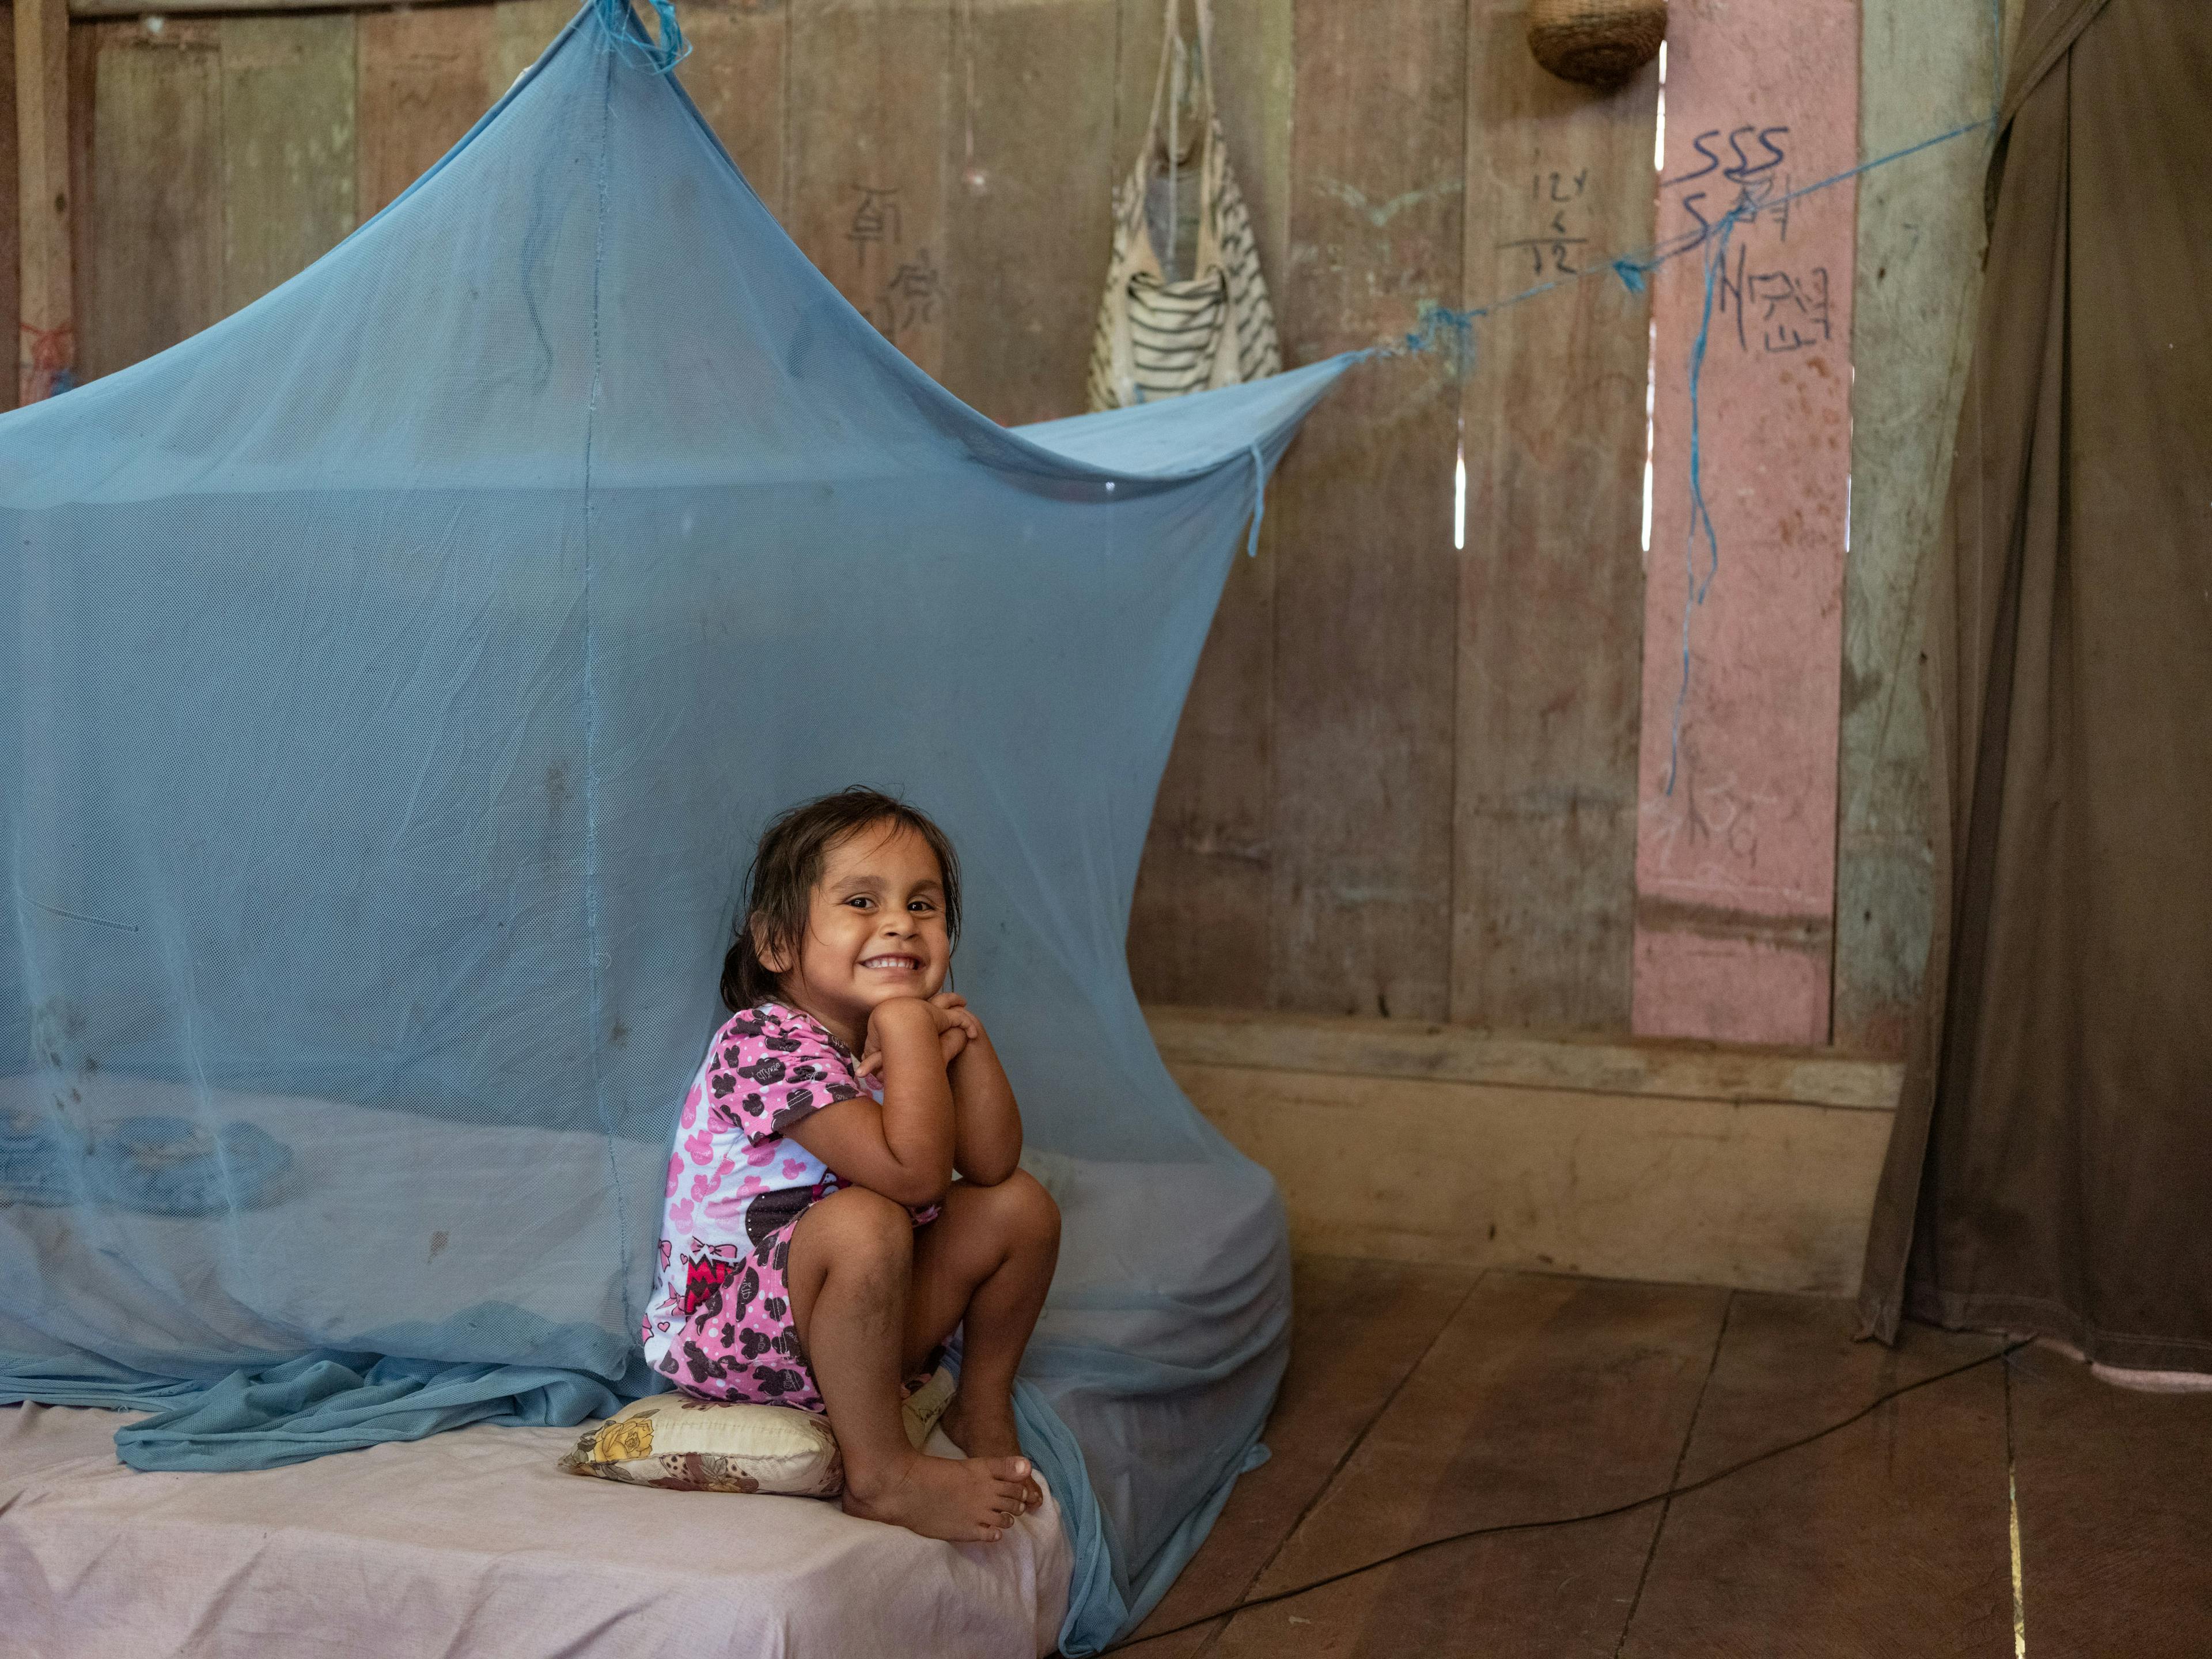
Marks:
<point>400,672</point>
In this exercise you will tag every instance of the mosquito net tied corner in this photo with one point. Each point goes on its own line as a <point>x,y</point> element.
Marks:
<point>400,672</point>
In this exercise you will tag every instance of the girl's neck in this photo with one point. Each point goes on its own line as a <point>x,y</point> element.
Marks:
<point>794,997</point>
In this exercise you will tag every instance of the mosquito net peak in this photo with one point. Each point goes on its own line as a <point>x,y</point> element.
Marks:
<point>399,673</point>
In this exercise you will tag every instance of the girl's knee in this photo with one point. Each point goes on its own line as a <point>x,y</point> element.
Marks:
<point>1026,1209</point>
<point>855,1226</point>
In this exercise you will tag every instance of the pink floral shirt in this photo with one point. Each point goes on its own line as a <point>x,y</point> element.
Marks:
<point>736,1182</point>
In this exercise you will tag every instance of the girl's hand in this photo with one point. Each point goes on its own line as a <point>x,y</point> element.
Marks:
<point>956,1028</point>
<point>951,1010</point>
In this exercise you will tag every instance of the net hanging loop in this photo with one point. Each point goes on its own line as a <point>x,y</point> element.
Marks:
<point>626,34</point>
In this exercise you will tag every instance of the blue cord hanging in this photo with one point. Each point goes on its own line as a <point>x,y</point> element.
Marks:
<point>634,45</point>
<point>1259,501</point>
<point>1693,590</point>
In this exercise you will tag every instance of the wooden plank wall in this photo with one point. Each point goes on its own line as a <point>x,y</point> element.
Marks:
<point>1405,780</point>
<point>44,340</point>
<point>868,160</point>
<point>155,210</point>
<point>422,78</point>
<point>1204,910</point>
<point>1552,593</point>
<point>1920,238</point>
<point>1366,587</point>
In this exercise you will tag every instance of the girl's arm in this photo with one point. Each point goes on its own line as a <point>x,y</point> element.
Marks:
<point>902,1148</point>
<point>986,1139</point>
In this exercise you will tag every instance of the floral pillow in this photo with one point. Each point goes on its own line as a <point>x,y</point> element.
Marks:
<point>682,1443</point>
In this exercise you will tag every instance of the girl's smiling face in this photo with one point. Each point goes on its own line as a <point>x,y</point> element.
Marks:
<point>875,930</point>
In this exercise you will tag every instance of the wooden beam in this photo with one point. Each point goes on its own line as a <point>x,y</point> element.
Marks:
<point>46,353</point>
<point>1646,1067</point>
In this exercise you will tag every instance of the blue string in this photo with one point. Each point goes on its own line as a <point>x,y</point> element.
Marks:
<point>1443,323</point>
<point>631,43</point>
<point>1454,330</point>
<point>1979,124</point>
<point>1996,60</point>
<point>1259,502</point>
<point>1694,591</point>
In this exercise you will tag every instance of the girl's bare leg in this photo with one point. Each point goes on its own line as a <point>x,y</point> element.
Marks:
<point>851,1256</point>
<point>987,1261</point>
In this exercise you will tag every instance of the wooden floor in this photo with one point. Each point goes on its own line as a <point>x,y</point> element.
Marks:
<point>1422,1401</point>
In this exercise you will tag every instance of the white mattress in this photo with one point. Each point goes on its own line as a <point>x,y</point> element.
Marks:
<point>474,1543</point>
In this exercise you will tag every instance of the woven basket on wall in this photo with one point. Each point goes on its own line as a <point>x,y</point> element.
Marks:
<point>1600,42</point>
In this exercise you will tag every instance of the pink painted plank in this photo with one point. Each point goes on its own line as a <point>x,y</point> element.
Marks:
<point>1736,835</point>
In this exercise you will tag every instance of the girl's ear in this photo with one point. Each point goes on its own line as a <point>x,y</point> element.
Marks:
<point>775,961</point>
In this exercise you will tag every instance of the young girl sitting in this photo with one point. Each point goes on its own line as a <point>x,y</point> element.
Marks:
<point>816,1251</point>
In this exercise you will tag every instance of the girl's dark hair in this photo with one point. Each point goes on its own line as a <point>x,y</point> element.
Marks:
<point>780,886</point>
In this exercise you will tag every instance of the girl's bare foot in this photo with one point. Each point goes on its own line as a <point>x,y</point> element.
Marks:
<point>967,1502</point>
<point>985,1429</point>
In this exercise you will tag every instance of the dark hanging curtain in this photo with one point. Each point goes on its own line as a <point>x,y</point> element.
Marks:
<point>2052,1166</point>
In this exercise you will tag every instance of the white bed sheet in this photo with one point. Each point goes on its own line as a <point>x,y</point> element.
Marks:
<point>474,1543</point>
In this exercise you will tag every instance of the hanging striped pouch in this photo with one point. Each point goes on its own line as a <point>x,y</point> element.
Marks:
<point>1159,335</point>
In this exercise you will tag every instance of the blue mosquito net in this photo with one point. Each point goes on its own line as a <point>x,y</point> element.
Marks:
<point>398,674</point>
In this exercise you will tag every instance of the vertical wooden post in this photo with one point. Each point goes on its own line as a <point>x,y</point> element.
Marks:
<point>1735,867</point>
<point>46,353</point>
